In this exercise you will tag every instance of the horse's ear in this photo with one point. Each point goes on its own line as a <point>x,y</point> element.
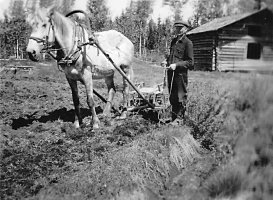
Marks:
<point>50,10</point>
<point>29,18</point>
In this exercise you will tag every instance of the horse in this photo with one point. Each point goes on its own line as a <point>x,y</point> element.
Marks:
<point>79,59</point>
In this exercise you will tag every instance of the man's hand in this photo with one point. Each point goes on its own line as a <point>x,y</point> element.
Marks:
<point>172,66</point>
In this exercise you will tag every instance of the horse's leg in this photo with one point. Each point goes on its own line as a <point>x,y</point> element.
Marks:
<point>75,96</point>
<point>125,92</point>
<point>109,80</point>
<point>88,83</point>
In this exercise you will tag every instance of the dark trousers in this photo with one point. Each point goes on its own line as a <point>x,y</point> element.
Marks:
<point>178,93</point>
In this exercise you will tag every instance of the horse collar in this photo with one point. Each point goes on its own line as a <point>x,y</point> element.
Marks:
<point>73,56</point>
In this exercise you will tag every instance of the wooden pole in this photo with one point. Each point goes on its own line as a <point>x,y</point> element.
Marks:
<point>122,73</point>
<point>104,100</point>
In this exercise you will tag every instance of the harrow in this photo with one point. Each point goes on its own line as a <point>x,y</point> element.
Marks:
<point>157,96</point>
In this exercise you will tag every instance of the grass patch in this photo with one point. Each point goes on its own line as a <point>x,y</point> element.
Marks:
<point>250,120</point>
<point>224,183</point>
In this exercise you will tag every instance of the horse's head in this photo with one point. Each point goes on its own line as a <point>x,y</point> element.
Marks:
<point>42,32</point>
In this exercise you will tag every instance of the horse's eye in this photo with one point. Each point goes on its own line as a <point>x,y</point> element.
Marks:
<point>44,25</point>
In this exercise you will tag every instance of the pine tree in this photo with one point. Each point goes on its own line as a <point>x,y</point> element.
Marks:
<point>15,31</point>
<point>176,6</point>
<point>98,14</point>
<point>151,43</point>
<point>206,11</point>
<point>142,10</point>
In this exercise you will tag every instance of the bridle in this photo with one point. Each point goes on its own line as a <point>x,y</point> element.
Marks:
<point>48,47</point>
<point>72,56</point>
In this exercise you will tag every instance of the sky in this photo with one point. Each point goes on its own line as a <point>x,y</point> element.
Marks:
<point>117,6</point>
<point>4,6</point>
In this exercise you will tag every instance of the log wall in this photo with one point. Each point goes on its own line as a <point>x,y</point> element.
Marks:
<point>227,48</point>
<point>203,45</point>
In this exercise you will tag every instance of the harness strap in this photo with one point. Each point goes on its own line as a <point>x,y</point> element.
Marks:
<point>38,40</point>
<point>72,57</point>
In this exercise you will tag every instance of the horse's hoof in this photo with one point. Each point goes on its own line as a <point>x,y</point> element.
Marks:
<point>76,124</point>
<point>122,116</point>
<point>95,126</point>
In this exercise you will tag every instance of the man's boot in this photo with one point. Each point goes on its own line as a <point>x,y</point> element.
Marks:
<point>181,110</point>
<point>175,114</point>
<point>178,113</point>
<point>174,111</point>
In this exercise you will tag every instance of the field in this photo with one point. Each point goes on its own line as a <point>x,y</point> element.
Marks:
<point>224,150</point>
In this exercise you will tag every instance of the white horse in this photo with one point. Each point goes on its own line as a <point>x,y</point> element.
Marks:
<point>80,60</point>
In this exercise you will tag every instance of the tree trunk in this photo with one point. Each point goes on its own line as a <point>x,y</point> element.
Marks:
<point>17,49</point>
<point>144,48</point>
<point>139,45</point>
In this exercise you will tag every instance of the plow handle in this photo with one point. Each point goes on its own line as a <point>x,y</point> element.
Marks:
<point>92,41</point>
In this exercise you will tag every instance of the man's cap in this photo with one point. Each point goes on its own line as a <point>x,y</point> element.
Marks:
<point>181,23</point>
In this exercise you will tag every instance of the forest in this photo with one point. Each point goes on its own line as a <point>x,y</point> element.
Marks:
<point>150,37</point>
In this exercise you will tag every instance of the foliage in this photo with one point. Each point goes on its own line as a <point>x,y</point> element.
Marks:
<point>206,11</point>
<point>246,6</point>
<point>207,110</point>
<point>147,35</point>
<point>176,6</point>
<point>152,35</point>
<point>252,145</point>
<point>14,33</point>
<point>125,25</point>
<point>98,15</point>
<point>133,23</point>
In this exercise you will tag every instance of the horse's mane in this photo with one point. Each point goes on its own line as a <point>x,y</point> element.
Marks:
<point>61,22</point>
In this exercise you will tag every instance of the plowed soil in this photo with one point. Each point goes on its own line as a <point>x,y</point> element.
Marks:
<point>45,157</point>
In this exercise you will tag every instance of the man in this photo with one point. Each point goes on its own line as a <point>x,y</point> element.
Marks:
<point>179,61</point>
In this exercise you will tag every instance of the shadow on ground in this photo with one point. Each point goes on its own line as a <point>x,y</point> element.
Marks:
<point>59,114</point>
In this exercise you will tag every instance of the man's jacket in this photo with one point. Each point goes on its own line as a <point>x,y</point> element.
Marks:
<point>181,53</point>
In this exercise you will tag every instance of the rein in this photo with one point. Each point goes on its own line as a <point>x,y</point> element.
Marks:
<point>48,47</point>
<point>78,38</point>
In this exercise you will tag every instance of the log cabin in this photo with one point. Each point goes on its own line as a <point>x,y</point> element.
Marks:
<point>241,42</point>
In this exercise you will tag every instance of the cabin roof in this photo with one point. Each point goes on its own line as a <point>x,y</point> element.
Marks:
<point>219,23</point>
